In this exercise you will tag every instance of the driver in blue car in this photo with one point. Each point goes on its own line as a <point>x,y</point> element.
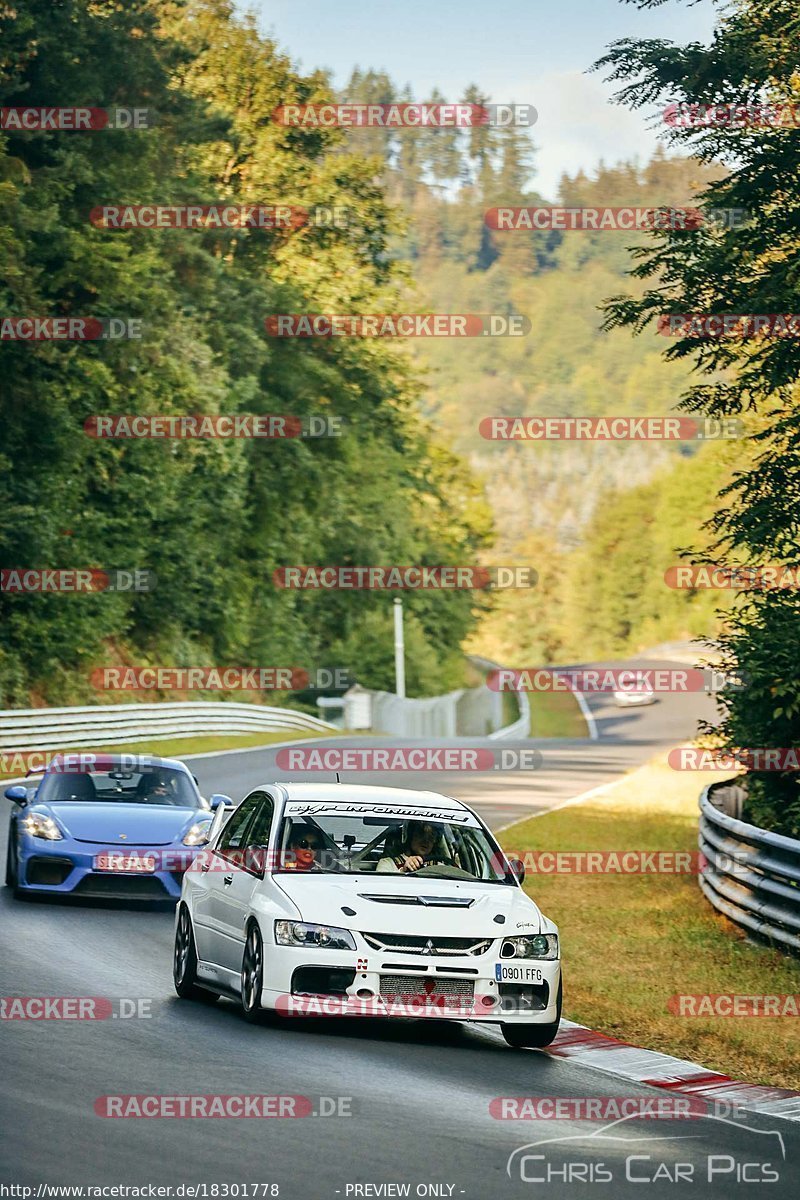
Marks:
<point>421,848</point>
<point>156,789</point>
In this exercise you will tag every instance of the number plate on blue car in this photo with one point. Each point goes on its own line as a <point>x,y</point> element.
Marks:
<point>126,863</point>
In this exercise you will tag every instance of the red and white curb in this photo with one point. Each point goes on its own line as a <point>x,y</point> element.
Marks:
<point>590,1049</point>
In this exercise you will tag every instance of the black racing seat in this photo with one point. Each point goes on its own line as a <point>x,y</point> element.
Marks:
<point>79,786</point>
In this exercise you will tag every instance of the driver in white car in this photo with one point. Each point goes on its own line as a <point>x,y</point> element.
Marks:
<point>421,848</point>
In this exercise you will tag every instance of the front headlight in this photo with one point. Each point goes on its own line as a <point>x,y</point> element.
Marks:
<point>41,826</point>
<point>540,945</point>
<point>321,937</point>
<point>197,835</point>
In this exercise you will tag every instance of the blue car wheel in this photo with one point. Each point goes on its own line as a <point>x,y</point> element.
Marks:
<point>12,865</point>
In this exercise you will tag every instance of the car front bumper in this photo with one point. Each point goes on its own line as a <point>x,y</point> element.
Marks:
<point>392,984</point>
<point>67,868</point>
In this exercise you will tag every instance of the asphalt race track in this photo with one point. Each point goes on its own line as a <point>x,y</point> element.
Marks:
<point>410,1100</point>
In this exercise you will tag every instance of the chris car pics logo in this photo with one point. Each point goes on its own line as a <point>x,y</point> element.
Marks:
<point>620,1153</point>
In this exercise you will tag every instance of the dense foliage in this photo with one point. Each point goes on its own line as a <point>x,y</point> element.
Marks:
<point>753,60</point>
<point>214,518</point>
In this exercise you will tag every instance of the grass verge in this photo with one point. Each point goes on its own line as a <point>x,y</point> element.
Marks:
<point>631,942</point>
<point>556,715</point>
<point>175,747</point>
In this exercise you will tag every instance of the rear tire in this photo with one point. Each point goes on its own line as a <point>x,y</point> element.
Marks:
<point>252,975</point>
<point>530,1035</point>
<point>184,962</point>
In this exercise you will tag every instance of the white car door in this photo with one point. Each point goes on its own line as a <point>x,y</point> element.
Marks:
<point>244,863</point>
<point>210,882</point>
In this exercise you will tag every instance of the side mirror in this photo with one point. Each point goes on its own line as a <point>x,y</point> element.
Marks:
<point>18,793</point>
<point>517,869</point>
<point>218,799</point>
<point>220,805</point>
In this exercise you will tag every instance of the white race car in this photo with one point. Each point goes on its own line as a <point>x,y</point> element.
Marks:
<point>336,899</point>
<point>637,694</point>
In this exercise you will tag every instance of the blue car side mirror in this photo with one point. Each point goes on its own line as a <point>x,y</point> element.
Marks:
<point>218,799</point>
<point>18,793</point>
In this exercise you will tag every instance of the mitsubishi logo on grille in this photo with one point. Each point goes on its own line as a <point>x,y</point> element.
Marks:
<point>429,947</point>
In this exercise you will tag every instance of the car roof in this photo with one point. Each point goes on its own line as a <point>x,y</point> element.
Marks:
<point>366,793</point>
<point>102,761</point>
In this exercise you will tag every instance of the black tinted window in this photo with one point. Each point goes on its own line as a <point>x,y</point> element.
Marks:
<point>234,835</point>
<point>155,784</point>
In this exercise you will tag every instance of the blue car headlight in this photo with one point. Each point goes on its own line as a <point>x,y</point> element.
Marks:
<point>41,826</point>
<point>198,834</point>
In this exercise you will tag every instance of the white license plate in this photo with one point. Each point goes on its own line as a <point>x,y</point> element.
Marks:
<point>517,973</point>
<point>135,864</point>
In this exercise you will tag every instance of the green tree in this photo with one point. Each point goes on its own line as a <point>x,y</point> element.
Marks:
<point>752,268</point>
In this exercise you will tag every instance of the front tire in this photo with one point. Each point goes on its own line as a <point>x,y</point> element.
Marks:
<point>530,1035</point>
<point>252,974</point>
<point>184,962</point>
<point>12,864</point>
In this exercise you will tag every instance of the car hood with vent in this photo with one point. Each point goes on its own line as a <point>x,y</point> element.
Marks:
<point>385,903</point>
<point>117,822</point>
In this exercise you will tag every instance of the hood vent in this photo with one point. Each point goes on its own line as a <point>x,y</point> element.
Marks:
<point>426,901</point>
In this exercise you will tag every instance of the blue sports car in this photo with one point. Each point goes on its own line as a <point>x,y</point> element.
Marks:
<point>123,826</point>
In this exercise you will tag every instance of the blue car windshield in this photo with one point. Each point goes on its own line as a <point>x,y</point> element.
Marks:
<point>157,785</point>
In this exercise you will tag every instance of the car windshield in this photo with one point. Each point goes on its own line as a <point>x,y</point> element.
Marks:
<point>147,785</point>
<point>319,839</point>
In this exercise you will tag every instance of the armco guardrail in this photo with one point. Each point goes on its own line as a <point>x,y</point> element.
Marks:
<point>521,728</point>
<point>105,725</point>
<point>752,876</point>
<point>466,712</point>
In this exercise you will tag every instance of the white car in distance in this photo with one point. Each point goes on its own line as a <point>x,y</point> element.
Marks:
<point>340,899</point>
